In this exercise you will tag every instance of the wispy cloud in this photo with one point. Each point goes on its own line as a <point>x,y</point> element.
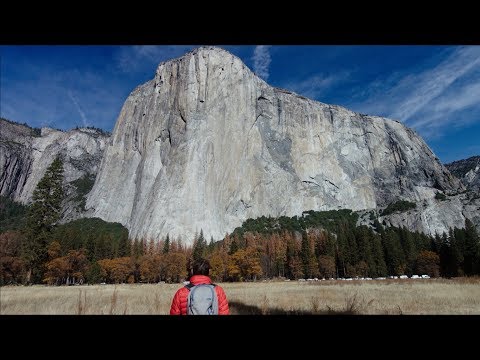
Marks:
<point>429,84</point>
<point>316,85</point>
<point>429,100</point>
<point>261,61</point>
<point>79,109</point>
<point>48,97</point>
<point>140,57</point>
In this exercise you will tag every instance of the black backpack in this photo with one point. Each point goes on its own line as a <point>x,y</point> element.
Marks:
<point>202,299</point>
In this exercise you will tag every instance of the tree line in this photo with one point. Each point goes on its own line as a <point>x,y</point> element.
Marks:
<point>35,248</point>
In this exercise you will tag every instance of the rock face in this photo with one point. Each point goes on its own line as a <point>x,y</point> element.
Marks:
<point>26,153</point>
<point>433,216</point>
<point>467,170</point>
<point>207,144</point>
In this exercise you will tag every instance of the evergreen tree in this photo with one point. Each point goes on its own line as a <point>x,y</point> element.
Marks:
<point>211,245</point>
<point>379,257</point>
<point>309,260</point>
<point>471,253</point>
<point>94,274</point>
<point>378,227</point>
<point>446,258</point>
<point>364,241</point>
<point>199,247</point>
<point>409,249</point>
<point>137,249</point>
<point>394,256</point>
<point>458,251</point>
<point>305,255</point>
<point>166,245</point>
<point>233,245</point>
<point>43,213</point>
<point>341,255</point>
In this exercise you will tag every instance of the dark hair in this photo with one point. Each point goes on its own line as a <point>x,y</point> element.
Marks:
<point>199,267</point>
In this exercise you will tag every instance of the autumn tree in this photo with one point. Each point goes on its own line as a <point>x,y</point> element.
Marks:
<point>151,247</point>
<point>174,266</point>
<point>56,271</point>
<point>326,265</point>
<point>78,266</point>
<point>219,261</point>
<point>428,262</point>
<point>150,268</point>
<point>69,269</point>
<point>117,270</point>
<point>12,266</point>
<point>245,265</point>
<point>294,260</point>
<point>279,253</point>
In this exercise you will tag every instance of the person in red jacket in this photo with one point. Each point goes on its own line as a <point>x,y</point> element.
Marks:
<point>199,274</point>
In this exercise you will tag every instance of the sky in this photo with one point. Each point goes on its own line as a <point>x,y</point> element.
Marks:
<point>432,89</point>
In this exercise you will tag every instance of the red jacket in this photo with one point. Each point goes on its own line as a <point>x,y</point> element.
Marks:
<point>179,302</point>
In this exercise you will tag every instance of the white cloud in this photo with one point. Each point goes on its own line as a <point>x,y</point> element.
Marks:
<point>261,61</point>
<point>316,85</point>
<point>139,57</point>
<point>430,100</point>
<point>421,89</point>
<point>79,109</point>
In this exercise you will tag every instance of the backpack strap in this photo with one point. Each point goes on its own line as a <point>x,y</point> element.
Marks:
<point>190,285</point>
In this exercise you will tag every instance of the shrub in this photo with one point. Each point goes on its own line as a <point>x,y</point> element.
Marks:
<point>399,206</point>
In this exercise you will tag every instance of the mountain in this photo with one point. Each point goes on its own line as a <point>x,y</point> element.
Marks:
<point>206,144</point>
<point>26,153</point>
<point>467,170</point>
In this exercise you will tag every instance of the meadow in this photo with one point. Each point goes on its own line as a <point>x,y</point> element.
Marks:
<point>459,296</point>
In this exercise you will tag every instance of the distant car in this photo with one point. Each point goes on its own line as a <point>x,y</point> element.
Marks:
<point>403,277</point>
<point>425,277</point>
<point>415,277</point>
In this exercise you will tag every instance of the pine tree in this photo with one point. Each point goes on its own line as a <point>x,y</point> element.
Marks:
<point>394,257</point>
<point>233,245</point>
<point>166,245</point>
<point>199,247</point>
<point>364,242</point>
<point>409,249</point>
<point>305,255</point>
<point>379,257</point>
<point>43,213</point>
<point>211,245</point>
<point>472,249</point>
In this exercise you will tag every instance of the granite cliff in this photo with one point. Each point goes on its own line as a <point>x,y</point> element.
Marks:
<point>207,144</point>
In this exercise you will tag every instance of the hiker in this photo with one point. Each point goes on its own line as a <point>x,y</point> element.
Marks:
<point>199,275</point>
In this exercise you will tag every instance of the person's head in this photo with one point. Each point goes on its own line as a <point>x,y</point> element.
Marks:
<point>200,267</point>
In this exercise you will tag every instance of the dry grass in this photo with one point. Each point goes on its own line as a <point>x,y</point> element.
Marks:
<point>391,297</point>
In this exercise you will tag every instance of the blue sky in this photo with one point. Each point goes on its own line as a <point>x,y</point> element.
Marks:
<point>433,89</point>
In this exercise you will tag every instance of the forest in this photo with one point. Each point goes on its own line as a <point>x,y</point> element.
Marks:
<point>35,248</point>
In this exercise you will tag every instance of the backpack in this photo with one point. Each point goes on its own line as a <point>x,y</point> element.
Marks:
<point>202,299</point>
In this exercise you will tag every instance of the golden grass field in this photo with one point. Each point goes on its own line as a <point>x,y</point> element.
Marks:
<point>459,296</point>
